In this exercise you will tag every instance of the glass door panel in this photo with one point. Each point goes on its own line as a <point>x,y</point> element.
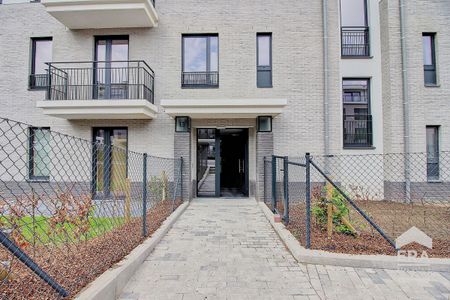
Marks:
<point>111,68</point>
<point>110,160</point>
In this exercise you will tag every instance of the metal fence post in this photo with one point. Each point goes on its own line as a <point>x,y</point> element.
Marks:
<point>308,201</point>
<point>286,188</point>
<point>23,257</point>
<point>274,183</point>
<point>181,178</point>
<point>144,196</point>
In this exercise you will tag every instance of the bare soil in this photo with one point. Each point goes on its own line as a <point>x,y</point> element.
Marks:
<point>430,219</point>
<point>73,266</point>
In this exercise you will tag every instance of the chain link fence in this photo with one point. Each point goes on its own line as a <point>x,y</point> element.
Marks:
<point>70,208</point>
<point>362,204</point>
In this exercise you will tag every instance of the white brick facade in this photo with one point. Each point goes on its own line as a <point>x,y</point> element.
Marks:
<point>298,70</point>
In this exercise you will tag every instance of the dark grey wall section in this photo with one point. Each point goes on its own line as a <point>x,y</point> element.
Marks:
<point>182,148</point>
<point>264,147</point>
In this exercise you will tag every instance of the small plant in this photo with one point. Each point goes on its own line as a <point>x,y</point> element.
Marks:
<point>158,186</point>
<point>71,216</point>
<point>340,211</point>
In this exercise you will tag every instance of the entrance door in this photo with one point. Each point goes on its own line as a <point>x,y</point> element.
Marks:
<point>222,162</point>
<point>111,68</point>
<point>233,162</point>
<point>109,161</point>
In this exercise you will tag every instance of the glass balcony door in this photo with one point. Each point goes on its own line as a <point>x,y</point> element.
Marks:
<point>110,161</point>
<point>111,72</point>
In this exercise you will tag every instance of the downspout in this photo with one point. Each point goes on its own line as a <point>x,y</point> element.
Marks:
<point>406,104</point>
<point>326,104</point>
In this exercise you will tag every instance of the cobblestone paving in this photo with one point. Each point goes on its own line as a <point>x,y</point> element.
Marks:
<point>226,249</point>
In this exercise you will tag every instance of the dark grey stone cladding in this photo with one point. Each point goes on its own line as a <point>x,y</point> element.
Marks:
<point>182,148</point>
<point>264,148</point>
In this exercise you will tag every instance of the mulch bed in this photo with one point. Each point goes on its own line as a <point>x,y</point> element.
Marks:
<point>367,242</point>
<point>73,266</point>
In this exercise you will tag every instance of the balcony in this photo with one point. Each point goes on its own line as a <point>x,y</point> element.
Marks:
<point>355,41</point>
<point>199,79</point>
<point>95,14</point>
<point>358,131</point>
<point>100,90</point>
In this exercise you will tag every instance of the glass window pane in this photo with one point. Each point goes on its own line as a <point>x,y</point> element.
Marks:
<point>427,50</point>
<point>42,54</point>
<point>41,149</point>
<point>214,53</point>
<point>194,54</point>
<point>353,13</point>
<point>355,91</point>
<point>264,50</point>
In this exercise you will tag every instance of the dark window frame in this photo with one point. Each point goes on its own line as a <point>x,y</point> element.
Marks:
<point>433,67</point>
<point>357,118</point>
<point>260,69</point>
<point>108,46</point>
<point>31,150</point>
<point>98,194</point>
<point>32,76</point>
<point>207,36</point>
<point>436,176</point>
<point>366,32</point>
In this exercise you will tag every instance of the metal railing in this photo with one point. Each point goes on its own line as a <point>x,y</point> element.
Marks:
<point>107,80</point>
<point>56,235</point>
<point>355,41</point>
<point>38,81</point>
<point>200,79</point>
<point>358,131</point>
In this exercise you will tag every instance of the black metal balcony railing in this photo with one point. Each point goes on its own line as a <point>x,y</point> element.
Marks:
<point>355,41</point>
<point>38,81</point>
<point>100,80</point>
<point>200,79</point>
<point>358,131</point>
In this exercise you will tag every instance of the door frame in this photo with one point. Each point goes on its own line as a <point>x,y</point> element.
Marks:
<point>106,162</point>
<point>108,59</point>
<point>217,158</point>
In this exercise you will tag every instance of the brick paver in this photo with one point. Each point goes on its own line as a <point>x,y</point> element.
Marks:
<point>226,249</point>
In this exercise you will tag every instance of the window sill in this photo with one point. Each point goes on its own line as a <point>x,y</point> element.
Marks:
<point>432,85</point>
<point>264,87</point>
<point>37,88</point>
<point>38,180</point>
<point>359,147</point>
<point>200,87</point>
<point>434,181</point>
<point>356,57</point>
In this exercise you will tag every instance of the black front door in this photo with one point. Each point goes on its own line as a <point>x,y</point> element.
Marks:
<point>222,162</point>
<point>233,162</point>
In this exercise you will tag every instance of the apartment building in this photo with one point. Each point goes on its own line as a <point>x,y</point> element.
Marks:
<point>225,83</point>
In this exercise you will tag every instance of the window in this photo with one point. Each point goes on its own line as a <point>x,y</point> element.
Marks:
<point>264,60</point>
<point>200,61</point>
<point>109,161</point>
<point>356,110</point>
<point>354,28</point>
<point>111,70</point>
<point>39,149</point>
<point>429,58</point>
<point>432,153</point>
<point>41,52</point>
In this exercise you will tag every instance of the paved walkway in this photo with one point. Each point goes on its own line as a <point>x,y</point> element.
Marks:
<point>226,249</point>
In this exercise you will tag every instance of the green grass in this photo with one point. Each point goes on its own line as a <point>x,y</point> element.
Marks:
<point>39,231</point>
